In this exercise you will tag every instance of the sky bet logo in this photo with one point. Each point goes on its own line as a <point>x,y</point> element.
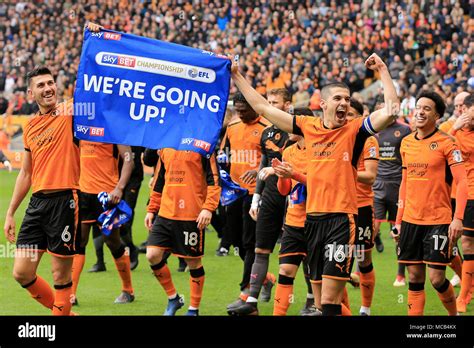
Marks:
<point>92,131</point>
<point>196,73</point>
<point>118,60</point>
<point>201,144</point>
<point>107,36</point>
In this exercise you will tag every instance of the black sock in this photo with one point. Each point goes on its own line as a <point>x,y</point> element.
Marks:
<point>443,287</point>
<point>119,252</point>
<point>332,309</point>
<point>99,249</point>
<point>284,280</point>
<point>366,269</point>
<point>259,273</point>
<point>248,262</point>
<point>401,269</point>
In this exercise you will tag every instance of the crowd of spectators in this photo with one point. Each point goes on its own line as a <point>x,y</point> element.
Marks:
<point>300,45</point>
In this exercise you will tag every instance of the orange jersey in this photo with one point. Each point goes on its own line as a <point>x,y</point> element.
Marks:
<point>332,156</point>
<point>99,167</point>
<point>187,183</point>
<point>296,156</point>
<point>427,162</point>
<point>243,142</point>
<point>54,152</point>
<point>465,140</point>
<point>365,194</point>
<point>446,125</point>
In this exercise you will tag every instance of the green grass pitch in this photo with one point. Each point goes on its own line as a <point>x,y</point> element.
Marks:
<point>97,291</point>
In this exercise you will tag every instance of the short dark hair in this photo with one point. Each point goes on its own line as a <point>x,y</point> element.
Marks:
<point>304,111</point>
<point>37,71</point>
<point>280,91</point>
<point>327,88</point>
<point>469,100</point>
<point>239,97</point>
<point>440,106</point>
<point>357,106</point>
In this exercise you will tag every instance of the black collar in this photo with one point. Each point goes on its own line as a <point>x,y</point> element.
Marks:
<point>429,136</point>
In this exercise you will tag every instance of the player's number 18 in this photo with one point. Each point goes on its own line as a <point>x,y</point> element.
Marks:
<point>190,238</point>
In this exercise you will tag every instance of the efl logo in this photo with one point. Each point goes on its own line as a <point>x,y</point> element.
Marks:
<point>193,73</point>
<point>112,36</point>
<point>96,132</point>
<point>202,145</point>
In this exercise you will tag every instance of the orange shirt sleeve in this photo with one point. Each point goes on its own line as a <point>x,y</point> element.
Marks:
<point>284,186</point>
<point>371,149</point>
<point>460,177</point>
<point>299,177</point>
<point>453,154</point>
<point>213,183</point>
<point>159,182</point>
<point>154,203</point>
<point>25,140</point>
<point>300,123</point>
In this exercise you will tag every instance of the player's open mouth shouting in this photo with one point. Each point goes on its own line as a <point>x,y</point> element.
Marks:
<point>341,113</point>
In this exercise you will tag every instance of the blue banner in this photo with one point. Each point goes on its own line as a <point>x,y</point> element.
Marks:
<point>298,194</point>
<point>230,190</point>
<point>132,90</point>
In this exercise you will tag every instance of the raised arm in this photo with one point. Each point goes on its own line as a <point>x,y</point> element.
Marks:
<point>382,118</point>
<point>279,118</point>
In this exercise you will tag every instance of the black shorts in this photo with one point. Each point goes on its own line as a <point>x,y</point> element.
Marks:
<point>270,221</point>
<point>50,223</point>
<point>183,238</point>
<point>293,242</point>
<point>385,200</point>
<point>468,221</point>
<point>365,229</point>
<point>331,240</point>
<point>90,207</point>
<point>424,244</point>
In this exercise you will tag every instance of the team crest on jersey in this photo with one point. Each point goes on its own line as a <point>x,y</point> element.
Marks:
<point>397,134</point>
<point>277,136</point>
<point>457,157</point>
<point>372,152</point>
<point>434,145</point>
<point>255,133</point>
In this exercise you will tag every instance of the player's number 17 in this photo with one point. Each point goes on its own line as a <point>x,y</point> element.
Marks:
<point>436,243</point>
